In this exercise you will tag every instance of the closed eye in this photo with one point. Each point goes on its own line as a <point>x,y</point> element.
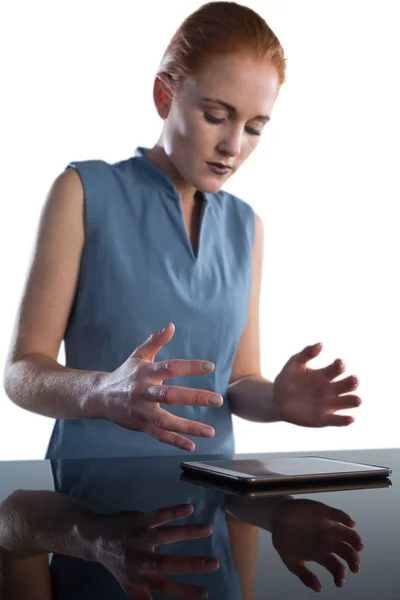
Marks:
<point>216,121</point>
<point>253,131</point>
<point>212,119</point>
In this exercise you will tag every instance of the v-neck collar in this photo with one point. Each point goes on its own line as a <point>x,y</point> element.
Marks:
<point>160,177</point>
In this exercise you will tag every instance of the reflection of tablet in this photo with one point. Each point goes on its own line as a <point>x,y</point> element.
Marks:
<point>288,489</point>
<point>273,471</point>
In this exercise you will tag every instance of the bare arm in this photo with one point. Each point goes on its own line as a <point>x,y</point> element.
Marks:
<point>250,394</point>
<point>243,541</point>
<point>25,578</point>
<point>35,522</point>
<point>260,512</point>
<point>34,380</point>
<point>32,524</point>
<point>131,395</point>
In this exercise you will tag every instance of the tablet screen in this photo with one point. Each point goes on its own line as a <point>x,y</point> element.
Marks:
<point>283,467</point>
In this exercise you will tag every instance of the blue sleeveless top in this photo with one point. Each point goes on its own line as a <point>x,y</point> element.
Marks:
<point>138,273</point>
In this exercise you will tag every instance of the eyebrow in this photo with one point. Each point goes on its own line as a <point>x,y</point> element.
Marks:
<point>232,109</point>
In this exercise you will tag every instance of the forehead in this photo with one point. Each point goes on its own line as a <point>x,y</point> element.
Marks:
<point>243,82</point>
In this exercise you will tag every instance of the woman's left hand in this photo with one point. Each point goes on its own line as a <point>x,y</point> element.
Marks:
<point>310,397</point>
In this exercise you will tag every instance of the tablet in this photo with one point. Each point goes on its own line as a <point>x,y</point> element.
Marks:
<point>283,471</point>
<point>227,487</point>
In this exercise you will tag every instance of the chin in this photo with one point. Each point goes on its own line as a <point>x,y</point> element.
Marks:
<point>209,189</point>
<point>209,185</point>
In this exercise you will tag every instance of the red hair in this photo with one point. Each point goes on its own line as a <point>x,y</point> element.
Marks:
<point>219,28</point>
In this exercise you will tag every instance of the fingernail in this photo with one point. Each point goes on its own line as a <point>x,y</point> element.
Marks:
<point>210,562</point>
<point>186,507</point>
<point>165,328</point>
<point>206,433</point>
<point>203,595</point>
<point>214,401</point>
<point>188,448</point>
<point>207,366</point>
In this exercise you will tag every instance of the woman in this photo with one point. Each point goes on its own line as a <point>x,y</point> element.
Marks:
<point>125,249</point>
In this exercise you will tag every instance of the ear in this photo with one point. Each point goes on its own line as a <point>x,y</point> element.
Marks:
<point>162,97</point>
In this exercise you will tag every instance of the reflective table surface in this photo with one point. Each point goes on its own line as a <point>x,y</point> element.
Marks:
<point>115,529</point>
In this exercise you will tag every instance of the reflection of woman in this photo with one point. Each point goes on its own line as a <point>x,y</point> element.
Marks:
<point>98,528</point>
<point>145,485</point>
<point>125,249</point>
<point>35,522</point>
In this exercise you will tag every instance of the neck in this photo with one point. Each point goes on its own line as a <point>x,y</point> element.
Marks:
<point>189,195</point>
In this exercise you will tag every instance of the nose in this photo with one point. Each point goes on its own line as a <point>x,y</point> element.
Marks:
<point>231,145</point>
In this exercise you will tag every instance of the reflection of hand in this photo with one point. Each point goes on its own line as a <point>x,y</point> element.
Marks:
<point>305,530</point>
<point>125,544</point>
<point>310,397</point>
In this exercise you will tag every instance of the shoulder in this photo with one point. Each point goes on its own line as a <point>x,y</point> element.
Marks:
<point>86,169</point>
<point>232,200</point>
<point>242,213</point>
<point>234,205</point>
<point>92,176</point>
<point>65,195</point>
<point>98,166</point>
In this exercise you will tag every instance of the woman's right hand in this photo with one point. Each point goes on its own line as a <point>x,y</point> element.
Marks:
<point>125,545</point>
<point>131,395</point>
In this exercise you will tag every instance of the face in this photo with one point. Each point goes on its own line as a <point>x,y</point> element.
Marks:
<point>218,117</point>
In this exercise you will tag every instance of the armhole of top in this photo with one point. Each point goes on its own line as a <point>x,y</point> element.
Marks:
<point>252,225</point>
<point>90,199</point>
<point>249,217</point>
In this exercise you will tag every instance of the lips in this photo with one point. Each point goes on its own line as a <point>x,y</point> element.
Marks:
<point>219,165</point>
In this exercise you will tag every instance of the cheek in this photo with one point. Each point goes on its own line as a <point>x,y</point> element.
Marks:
<point>197,128</point>
<point>251,145</point>
<point>248,147</point>
<point>181,126</point>
<point>177,126</point>
<point>199,136</point>
<point>254,140</point>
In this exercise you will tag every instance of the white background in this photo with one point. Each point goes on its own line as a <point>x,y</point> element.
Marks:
<point>77,84</point>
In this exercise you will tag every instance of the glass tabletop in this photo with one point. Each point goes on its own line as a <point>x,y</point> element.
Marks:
<point>112,528</point>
